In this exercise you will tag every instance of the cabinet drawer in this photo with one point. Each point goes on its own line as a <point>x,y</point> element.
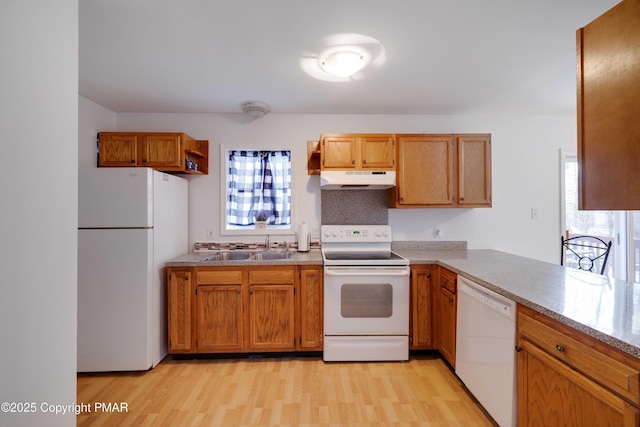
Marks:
<point>219,277</point>
<point>587,359</point>
<point>448,280</point>
<point>271,277</point>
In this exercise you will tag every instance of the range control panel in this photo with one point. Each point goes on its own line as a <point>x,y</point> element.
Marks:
<point>355,233</point>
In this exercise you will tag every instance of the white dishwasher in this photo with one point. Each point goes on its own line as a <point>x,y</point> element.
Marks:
<point>485,349</point>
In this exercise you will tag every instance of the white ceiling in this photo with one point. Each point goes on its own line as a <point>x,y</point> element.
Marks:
<point>442,56</point>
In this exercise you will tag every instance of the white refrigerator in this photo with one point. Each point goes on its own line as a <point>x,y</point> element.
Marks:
<point>130,222</point>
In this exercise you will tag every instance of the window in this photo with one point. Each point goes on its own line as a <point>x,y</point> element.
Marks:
<point>257,186</point>
<point>620,227</point>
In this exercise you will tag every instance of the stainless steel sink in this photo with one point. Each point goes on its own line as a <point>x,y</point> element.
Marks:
<point>229,256</point>
<point>247,255</point>
<point>273,255</point>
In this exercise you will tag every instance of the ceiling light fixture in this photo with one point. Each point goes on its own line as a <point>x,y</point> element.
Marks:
<point>343,63</point>
<point>255,109</point>
<point>345,57</point>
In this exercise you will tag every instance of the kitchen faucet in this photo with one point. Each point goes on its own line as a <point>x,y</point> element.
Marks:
<point>267,243</point>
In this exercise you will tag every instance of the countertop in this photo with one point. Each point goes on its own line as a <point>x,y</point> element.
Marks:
<point>604,308</point>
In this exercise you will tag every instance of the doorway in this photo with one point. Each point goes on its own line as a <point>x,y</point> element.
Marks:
<point>622,228</point>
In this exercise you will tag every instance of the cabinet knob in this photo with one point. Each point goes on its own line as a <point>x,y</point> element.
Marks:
<point>186,277</point>
<point>353,162</point>
<point>364,162</point>
<point>560,348</point>
<point>450,299</point>
<point>518,348</point>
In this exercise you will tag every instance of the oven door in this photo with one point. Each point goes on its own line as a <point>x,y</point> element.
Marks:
<point>366,300</point>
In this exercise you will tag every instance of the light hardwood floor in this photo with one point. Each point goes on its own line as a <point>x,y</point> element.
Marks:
<point>300,391</point>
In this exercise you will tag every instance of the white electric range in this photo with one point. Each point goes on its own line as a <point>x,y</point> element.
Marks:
<point>366,295</point>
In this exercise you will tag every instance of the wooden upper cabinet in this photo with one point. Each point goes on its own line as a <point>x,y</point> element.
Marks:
<point>608,89</point>
<point>357,151</point>
<point>474,170</point>
<point>166,152</point>
<point>338,152</point>
<point>425,171</point>
<point>119,150</point>
<point>442,170</point>
<point>377,151</point>
<point>162,151</point>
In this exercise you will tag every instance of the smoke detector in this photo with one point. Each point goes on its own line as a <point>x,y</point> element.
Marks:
<point>255,109</point>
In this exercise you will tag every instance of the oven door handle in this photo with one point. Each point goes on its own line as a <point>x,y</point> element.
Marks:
<point>400,272</point>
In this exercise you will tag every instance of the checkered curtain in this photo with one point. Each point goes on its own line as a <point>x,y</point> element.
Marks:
<point>259,181</point>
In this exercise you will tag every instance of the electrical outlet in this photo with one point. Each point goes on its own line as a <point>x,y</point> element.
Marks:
<point>437,232</point>
<point>315,233</point>
<point>210,233</point>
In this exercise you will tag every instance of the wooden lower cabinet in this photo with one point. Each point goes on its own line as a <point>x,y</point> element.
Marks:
<point>421,333</point>
<point>179,313</point>
<point>219,317</point>
<point>447,343</point>
<point>566,378</point>
<point>245,309</point>
<point>272,309</point>
<point>311,309</point>
<point>446,312</point>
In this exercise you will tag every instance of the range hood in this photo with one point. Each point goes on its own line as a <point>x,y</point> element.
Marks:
<point>357,180</point>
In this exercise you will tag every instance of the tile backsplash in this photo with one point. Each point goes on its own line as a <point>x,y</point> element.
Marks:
<point>354,207</point>
<point>247,246</point>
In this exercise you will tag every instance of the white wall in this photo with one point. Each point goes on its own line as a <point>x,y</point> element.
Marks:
<point>93,118</point>
<point>38,189</point>
<point>525,161</point>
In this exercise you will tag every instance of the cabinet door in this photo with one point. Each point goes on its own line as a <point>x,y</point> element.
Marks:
<point>271,317</point>
<point>118,150</point>
<point>311,326</point>
<point>447,347</point>
<point>421,313</point>
<point>377,152</point>
<point>552,394</point>
<point>339,152</point>
<point>425,170</point>
<point>219,318</point>
<point>162,152</point>
<point>474,170</point>
<point>608,51</point>
<point>180,291</point>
